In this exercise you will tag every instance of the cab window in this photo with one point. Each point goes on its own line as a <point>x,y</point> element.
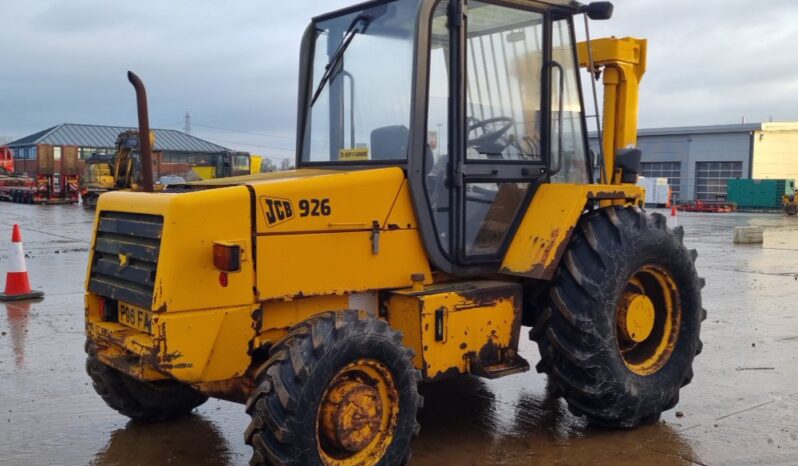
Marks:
<point>362,81</point>
<point>568,154</point>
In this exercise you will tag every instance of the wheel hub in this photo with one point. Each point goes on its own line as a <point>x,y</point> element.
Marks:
<point>648,320</point>
<point>358,414</point>
<point>637,317</point>
<point>351,415</point>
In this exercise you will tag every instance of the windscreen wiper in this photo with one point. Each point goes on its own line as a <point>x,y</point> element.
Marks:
<point>335,60</point>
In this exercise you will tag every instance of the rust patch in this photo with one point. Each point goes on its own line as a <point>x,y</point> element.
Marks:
<point>257,319</point>
<point>449,373</point>
<point>237,390</point>
<point>489,354</point>
<point>549,255</point>
<point>487,298</point>
<point>607,195</point>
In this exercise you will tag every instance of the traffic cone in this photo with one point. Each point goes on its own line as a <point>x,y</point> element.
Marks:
<point>672,219</point>
<point>17,283</point>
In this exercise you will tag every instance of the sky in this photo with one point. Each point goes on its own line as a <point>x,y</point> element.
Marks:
<point>233,65</point>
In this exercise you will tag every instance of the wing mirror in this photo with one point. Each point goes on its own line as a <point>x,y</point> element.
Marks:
<point>599,10</point>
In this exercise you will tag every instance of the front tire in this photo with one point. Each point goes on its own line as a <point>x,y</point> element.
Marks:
<point>140,401</point>
<point>339,389</point>
<point>620,324</point>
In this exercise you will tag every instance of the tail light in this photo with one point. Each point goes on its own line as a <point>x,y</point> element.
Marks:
<point>227,256</point>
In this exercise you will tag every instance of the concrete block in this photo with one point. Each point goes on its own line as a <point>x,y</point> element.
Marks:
<point>748,235</point>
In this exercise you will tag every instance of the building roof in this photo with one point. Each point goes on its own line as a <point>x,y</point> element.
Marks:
<point>715,129</point>
<point>720,129</point>
<point>97,136</point>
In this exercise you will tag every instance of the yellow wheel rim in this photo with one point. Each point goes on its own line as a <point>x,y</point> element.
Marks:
<point>357,415</point>
<point>648,319</point>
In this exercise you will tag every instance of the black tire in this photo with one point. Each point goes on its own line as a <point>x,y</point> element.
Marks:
<point>90,200</point>
<point>577,332</point>
<point>292,382</point>
<point>141,401</point>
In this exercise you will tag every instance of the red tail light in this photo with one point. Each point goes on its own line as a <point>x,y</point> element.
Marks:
<point>227,257</point>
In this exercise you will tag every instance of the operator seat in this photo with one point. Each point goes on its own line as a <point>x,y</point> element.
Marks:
<point>390,143</point>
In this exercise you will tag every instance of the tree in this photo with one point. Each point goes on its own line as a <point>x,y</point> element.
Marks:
<point>267,166</point>
<point>286,164</point>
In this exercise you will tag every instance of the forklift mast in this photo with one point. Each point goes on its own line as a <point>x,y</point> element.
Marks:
<point>623,62</point>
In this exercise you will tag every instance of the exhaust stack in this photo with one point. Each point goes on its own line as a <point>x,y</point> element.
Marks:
<point>144,132</point>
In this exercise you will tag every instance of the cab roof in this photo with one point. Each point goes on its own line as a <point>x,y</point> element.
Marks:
<point>570,4</point>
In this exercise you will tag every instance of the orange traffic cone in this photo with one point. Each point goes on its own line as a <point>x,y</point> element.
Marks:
<point>17,283</point>
<point>672,222</point>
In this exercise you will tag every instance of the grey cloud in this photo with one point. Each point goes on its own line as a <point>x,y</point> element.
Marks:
<point>234,64</point>
<point>712,62</point>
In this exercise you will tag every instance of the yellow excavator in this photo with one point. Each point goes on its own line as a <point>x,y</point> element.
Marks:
<point>444,197</point>
<point>106,172</point>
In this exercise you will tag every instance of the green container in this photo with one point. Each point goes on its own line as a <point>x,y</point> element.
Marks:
<point>759,194</point>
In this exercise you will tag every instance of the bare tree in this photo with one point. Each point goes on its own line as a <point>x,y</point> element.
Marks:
<point>286,164</point>
<point>267,166</point>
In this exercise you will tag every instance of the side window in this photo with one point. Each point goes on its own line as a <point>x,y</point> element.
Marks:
<point>436,158</point>
<point>504,66</point>
<point>490,211</point>
<point>568,158</point>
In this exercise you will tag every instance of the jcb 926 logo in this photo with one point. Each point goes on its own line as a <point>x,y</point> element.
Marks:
<point>276,210</point>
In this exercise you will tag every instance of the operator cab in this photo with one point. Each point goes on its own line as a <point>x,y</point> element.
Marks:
<point>479,102</point>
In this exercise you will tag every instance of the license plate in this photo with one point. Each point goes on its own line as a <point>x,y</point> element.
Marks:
<point>136,317</point>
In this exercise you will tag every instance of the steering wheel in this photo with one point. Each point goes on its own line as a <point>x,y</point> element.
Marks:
<point>492,130</point>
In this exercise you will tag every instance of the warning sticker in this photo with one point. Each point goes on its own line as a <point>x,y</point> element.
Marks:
<point>353,155</point>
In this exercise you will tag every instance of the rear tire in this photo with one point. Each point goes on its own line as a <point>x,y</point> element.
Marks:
<point>310,370</point>
<point>141,401</point>
<point>608,369</point>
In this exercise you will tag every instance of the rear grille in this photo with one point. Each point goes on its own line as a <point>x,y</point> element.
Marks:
<point>126,257</point>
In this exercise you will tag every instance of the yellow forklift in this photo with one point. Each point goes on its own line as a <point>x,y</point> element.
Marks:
<point>444,197</point>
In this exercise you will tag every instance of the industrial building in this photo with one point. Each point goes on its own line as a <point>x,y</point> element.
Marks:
<point>699,160</point>
<point>177,147</point>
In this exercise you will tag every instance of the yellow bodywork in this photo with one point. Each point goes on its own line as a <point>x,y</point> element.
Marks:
<point>204,172</point>
<point>311,253</point>
<point>99,176</point>
<point>193,313</point>
<point>314,241</point>
<point>452,326</point>
<point>359,237</point>
<point>546,228</point>
<point>255,163</point>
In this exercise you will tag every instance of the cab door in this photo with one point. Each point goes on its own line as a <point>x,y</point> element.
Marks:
<point>487,117</point>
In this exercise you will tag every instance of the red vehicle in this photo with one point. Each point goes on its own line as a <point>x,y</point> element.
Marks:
<point>6,160</point>
<point>707,206</point>
<point>53,177</point>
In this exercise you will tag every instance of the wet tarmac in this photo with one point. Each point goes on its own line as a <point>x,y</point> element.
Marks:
<point>741,409</point>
